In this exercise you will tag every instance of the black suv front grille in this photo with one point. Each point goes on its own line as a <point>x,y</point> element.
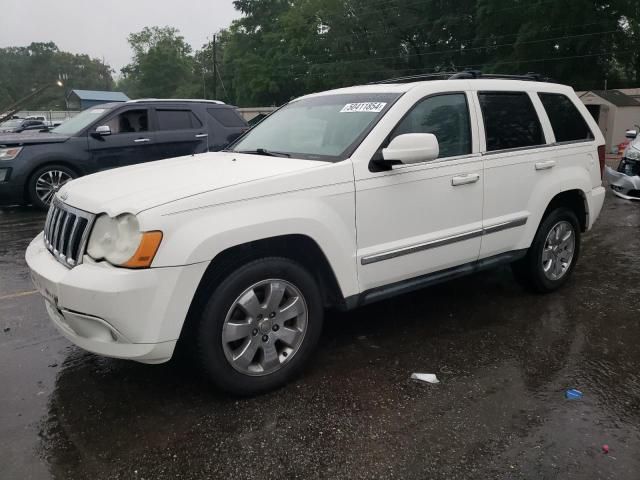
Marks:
<point>66,231</point>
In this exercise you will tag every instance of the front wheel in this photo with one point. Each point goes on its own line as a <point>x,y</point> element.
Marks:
<point>260,326</point>
<point>45,183</point>
<point>553,253</point>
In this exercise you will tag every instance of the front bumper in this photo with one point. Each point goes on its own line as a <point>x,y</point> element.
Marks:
<point>622,185</point>
<point>115,312</point>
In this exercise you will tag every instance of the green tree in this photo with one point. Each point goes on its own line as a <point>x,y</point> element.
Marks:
<point>26,68</point>
<point>162,64</point>
<point>279,49</point>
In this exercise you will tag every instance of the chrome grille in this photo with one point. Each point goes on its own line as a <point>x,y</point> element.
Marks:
<point>66,230</point>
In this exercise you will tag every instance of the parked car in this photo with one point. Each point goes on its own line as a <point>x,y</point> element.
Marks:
<point>33,166</point>
<point>43,119</point>
<point>625,181</point>
<point>18,125</point>
<point>340,198</point>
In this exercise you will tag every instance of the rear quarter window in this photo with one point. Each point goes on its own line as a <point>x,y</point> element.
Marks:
<point>510,120</point>
<point>567,122</point>
<point>227,117</point>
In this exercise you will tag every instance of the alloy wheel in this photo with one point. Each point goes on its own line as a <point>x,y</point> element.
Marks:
<point>264,327</point>
<point>558,251</point>
<point>48,184</point>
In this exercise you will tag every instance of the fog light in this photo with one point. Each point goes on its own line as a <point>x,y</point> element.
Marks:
<point>4,174</point>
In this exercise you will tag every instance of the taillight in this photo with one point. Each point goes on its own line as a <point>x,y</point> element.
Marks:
<point>601,151</point>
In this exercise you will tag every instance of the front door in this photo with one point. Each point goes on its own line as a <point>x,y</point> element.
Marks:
<point>131,141</point>
<point>417,219</point>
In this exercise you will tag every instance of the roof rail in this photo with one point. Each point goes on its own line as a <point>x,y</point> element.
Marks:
<point>167,100</point>
<point>415,78</point>
<point>472,74</point>
<point>464,75</point>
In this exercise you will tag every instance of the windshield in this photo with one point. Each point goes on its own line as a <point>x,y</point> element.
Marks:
<point>317,128</point>
<point>80,121</point>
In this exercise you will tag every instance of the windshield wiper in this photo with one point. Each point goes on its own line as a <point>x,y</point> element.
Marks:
<point>263,151</point>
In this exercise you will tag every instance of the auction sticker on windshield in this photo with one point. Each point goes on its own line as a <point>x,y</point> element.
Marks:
<point>367,107</point>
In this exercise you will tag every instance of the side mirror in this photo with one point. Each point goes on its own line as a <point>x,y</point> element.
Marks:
<point>103,130</point>
<point>631,134</point>
<point>412,148</point>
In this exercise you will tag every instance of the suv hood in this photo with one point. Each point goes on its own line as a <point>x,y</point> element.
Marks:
<point>143,186</point>
<point>31,138</point>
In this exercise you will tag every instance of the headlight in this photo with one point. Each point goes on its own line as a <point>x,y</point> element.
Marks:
<point>9,153</point>
<point>632,154</point>
<point>120,242</point>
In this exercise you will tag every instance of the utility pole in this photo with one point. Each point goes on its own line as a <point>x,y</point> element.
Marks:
<point>104,73</point>
<point>215,69</point>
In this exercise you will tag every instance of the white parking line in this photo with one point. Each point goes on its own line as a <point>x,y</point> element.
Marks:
<point>19,294</point>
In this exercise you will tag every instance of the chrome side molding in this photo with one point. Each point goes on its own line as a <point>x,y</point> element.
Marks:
<point>440,242</point>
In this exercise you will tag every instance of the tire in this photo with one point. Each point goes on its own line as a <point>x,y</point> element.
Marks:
<point>45,182</point>
<point>241,346</point>
<point>541,276</point>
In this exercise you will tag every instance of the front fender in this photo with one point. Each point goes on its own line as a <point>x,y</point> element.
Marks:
<point>324,214</point>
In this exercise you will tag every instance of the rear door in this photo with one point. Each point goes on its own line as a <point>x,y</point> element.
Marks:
<point>515,149</point>
<point>179,132</point>
<point>131,140</point>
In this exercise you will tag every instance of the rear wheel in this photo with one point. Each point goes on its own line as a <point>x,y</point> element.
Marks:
<point>259,326</point>
<point>45,183</point>
<point>553,253</point>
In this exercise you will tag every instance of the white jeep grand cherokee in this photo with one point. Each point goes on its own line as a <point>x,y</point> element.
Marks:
<point>339,199</point>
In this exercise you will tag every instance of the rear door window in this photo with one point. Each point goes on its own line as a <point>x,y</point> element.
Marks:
<point>227,117</point>
<point>177,120</point>
<point>510,120</point>
<point>567,122</point>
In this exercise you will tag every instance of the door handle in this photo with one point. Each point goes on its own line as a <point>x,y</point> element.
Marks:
<point>142,140</point>
<point>202,135</point>
<point>465,179</point>
<point>545,165</point>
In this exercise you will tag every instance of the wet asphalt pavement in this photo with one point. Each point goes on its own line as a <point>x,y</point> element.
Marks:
<point>504,357</point>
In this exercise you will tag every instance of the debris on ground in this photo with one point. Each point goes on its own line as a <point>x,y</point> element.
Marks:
<point>573,394</point>
<point>7,329</point>
<point>425,377</point>
<point>605,448</point>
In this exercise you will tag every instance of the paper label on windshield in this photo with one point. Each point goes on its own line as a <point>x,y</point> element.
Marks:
<point>366,107</point>
<point>97,110</point>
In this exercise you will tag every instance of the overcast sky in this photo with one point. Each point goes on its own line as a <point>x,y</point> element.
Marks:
<point>100,27</point>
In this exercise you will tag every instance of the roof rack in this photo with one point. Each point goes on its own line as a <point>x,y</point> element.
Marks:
<point>465,75</point>
<point>415,78</point>
<point>167,100</point>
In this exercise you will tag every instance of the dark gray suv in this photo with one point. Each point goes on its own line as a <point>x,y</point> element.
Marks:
<point>33,166</point>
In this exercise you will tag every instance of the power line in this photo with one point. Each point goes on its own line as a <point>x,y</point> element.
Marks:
<point>476,65</point>
<point>468,49</point>
<point>458,51</point>
<point>394,30</point>
<point>475,40</point>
